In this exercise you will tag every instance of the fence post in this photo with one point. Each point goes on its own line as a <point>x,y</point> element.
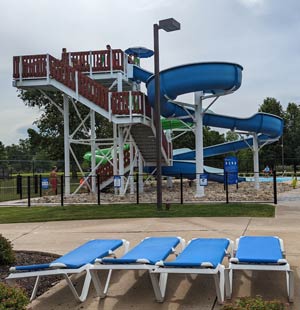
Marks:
<point>98,188</point>
<point>40,184</point>
<point>36,184</point>
<point>137,189</point>
<point>28,191</point>
<point>62,190</point>
<point>18,184</point>
<point>226,186</point>
<point>275,187</point>
<point>181,189</point>
<point>21,187</point>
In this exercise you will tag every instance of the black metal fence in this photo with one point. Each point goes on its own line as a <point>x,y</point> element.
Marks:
<point>139,188</point>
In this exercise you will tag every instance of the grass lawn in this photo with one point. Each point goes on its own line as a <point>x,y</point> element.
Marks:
<point>83,212</point>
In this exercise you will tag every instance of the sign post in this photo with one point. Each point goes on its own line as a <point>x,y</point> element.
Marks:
<point>231,170</point>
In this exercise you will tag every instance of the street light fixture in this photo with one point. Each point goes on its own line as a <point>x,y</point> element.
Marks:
<point>168,25</point>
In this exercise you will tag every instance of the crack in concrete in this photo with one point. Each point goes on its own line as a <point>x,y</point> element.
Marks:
<point>28,232</point>
<point>248,224</point>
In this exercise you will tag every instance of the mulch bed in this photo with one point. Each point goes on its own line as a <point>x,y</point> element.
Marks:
<point>29,258</point>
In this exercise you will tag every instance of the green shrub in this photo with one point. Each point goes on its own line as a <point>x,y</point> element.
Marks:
<point>7,255</point>
<point>256,303</point>
<point>12,298</point>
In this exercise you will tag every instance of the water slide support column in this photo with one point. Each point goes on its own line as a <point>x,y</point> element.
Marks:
<point>131,163</point>
<point>67,144</point>
<point>141,170</point>
<point>121,159</point>
<point>93,149</point>
<point>199,142</point>
<point>115,153</point>
<point>256,161</point>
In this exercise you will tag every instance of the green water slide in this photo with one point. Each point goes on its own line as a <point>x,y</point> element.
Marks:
<point>103,155</point>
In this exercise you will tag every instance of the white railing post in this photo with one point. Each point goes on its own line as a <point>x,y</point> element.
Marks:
<point>70,60</point>
<point>111,61</point>
<point>144,108</point>
<point>125,63</point>
<point>48,68</point>
<point>76,84</point>
<point>109,107</point>
<point>130,105</point>
<point>91,64</point>
<point>21,68</point>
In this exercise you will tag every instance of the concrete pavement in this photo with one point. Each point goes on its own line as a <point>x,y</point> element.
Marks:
<point>132,289</point>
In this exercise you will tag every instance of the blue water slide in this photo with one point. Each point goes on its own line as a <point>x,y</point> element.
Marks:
<point>212,78</point>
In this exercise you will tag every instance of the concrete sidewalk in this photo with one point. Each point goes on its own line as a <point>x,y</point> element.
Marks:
<point>132,289</point>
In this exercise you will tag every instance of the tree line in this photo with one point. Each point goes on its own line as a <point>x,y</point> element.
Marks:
<point>45,145</point>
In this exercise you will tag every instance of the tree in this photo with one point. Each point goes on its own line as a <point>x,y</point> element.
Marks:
<point>271,106</point>
<point>291,137</point>
<point>210,137</point>
<point>3,155</point>
<point>19,156</point>
<point>231,136</point>
<point>270,154</point>
<point>49,139</point>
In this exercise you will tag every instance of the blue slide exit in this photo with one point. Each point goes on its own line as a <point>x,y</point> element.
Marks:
<point>212,78</point>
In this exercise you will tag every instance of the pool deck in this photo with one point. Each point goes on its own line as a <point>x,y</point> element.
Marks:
<point>132,289</point>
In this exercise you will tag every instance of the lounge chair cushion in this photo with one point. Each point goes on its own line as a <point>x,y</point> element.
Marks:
<point>259,250</point>
<point>148,251</point>
<point>201,252</point>
<point>84,254</point>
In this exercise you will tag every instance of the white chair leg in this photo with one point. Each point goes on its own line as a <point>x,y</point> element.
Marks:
<point>35,288</point>
<point>219,284</point>
<point>290,285</point>
<point>107,281</point>
<point>228,283</point>
<point>163,283</point>
<point>97,284</point>
<point>85,288</point>
<point>159,294</point>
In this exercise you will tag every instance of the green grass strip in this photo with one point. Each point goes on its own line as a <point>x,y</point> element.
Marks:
<point>84,212</point>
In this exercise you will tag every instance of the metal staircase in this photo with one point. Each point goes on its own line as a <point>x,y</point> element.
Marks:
<point>79,75</point>
<point>144,137</point>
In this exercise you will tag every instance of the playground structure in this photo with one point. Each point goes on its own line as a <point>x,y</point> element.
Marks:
<point>108,82</point>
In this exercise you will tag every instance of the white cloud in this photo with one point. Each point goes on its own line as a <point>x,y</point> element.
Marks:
<point>258,34</point>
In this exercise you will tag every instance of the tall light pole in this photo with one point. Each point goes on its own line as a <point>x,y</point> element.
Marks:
<point>168,25</point>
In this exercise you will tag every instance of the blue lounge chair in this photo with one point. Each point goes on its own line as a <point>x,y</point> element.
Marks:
<point>75,262</point>
<point>144,256</point>
<point>259,253</point>
<point>201,256</point>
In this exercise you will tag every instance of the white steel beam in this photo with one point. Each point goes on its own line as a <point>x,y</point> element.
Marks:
<point>256,161</point>
<point>199,142</point>
<point>93,149</point>
<point>115,152</point>
<point>121,158</point>
<point>67,144</point>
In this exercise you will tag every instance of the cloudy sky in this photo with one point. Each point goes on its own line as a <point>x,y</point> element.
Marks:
<point>261,35</point>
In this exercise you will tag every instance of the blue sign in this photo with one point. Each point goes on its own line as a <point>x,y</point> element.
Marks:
<point>45,183</point>
<point>203,179</point>
<point>231,169</point>
<point>117,181</point>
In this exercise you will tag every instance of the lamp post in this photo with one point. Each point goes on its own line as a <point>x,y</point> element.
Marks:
<point>168,25</point>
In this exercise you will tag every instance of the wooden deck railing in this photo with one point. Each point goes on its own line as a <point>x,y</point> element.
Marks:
<point>127,103</point>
